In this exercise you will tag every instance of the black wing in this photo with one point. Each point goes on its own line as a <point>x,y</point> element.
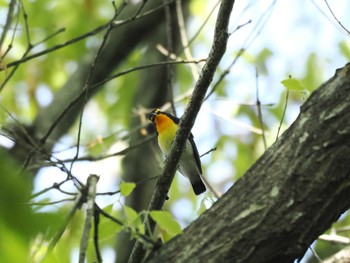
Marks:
<point>194,147</point>
<point>195,152</point>
<point>175,119</point>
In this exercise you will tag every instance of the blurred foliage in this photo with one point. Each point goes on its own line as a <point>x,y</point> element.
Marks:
<point>235,130</point>
<point>166,223</point>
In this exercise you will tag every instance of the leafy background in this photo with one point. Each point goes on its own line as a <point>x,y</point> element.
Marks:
<point>290,48</point>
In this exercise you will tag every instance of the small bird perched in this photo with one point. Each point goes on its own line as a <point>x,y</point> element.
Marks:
<point>189,165</point>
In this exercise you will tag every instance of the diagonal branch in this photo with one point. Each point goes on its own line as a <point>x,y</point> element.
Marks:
<point>187,121</point>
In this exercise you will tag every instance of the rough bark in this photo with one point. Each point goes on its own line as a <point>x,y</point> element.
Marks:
<point>290,196</point>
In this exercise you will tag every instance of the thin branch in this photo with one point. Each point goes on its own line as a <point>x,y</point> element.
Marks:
<point>184,39</point>
<point>91,187</point>
<point>26,25</point>
<point>334,238</point>
<point>341,25</point>
<point>96,224</point>
<point>249,41</point>
<point>228,69</point>
<point>82,37</point>
<point>50,203</point>
<point>88,80</point>
<point>187,121</point>
<point>283,114</point>
<point>121,152</point>
<point>157,64</point>
<point>78,203</point>
<point>226,72</point>
<point>258,105</point>
<point>207,152</point>
<point>315,254</point>
<point>215,192</point>
<point>138,11</point>
<point>8,22</point>
<point>203,24</point>
<point>144,238</point>
<point>56,47</point>
<point>138,183</point>
<point>95,86</point>
<point>170,48</point>
<point>9,47</point>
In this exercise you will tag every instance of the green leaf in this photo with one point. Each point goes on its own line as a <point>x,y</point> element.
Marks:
<point>130,214</point>
<point>133,220</point>
<point>126,188</point>
<point>344,49</point>
<point>292,84</point>
<point>166,222</point>
<point>107,228</point>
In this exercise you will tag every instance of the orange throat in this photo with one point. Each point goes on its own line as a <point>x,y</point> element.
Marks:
<point>166,129</point>
<point>164,124</point>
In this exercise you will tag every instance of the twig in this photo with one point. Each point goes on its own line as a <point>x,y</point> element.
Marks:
<point>95,86</point>
<point>91,187</point>
<point>334,238</point>
<point>50,203</point>
<point>9,47</point>
<point>144,238</point>
<point>315,254</point>
<point>121,152</point>
<point>283,114</point>
<point>157,64</point>
<point>258,105</point>
<point>184,39</point>
<point>96,224</point>
<point>170,48</point>
<point>228,69</point>
<point>82,37</point>
<point>226,72</point>
<point>78,203</point>
<point>8,22</point>
<point>138,11</point>
<point>330,9</point>
<point>137,184</point>
<point>56,186</point>
<point>250,39</point>
<point>203,24</point>
<point>207,152</point>
<point>216,193</point>
<point>86,89</point>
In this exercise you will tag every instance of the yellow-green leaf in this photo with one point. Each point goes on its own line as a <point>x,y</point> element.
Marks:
<point>126,188</point>
<point>166,222</point>
<point>133,220</point>
<point>292,84</point>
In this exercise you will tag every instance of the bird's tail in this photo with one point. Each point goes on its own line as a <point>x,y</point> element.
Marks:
<point>198,187</point>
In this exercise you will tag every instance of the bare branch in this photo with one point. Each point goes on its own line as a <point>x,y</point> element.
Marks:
<point>217,51</point>
<point>91,194</point>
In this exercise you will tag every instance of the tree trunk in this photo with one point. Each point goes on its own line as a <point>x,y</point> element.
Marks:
<point>290,196</point>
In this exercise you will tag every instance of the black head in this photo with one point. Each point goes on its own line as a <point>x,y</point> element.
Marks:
<point>153,114</point>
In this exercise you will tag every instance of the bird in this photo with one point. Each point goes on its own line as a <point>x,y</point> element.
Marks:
<point>166,126</point>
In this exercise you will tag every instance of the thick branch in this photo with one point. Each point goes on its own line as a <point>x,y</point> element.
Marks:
<point>290,196</point>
